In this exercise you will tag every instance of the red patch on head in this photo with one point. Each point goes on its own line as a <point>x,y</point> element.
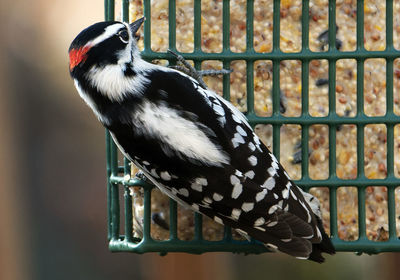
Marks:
<point>77,56</point>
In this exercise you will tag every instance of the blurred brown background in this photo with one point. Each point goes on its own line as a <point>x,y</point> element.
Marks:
<point>52,172</point>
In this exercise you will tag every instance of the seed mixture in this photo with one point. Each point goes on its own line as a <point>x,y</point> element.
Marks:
<point>375,142</point>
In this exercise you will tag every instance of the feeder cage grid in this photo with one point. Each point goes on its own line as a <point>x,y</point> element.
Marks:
<point>116,172</point>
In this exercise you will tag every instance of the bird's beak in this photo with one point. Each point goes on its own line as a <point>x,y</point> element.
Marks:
<point>136,25</point>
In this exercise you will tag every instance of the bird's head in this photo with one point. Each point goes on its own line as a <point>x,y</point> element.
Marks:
<point>102,44</point>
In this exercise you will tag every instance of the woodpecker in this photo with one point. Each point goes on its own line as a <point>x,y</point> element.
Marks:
<point>193,144</point>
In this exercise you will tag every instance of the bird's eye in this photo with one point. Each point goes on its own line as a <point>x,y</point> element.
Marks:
<point>123,35</point>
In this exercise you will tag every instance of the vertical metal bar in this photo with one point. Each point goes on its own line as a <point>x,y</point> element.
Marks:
<point>250,86</point>
<point>333,211</point>
<point>198,226</point>
<point>332,25</point>
<point>109,10</point>
<point>250,26</point>
<point>172,24</point>
<point>389,24</point>
<point>147,25</point>
<point>305,67</point>
<point>332,111</point>
<point>390,127</point>
<point>109,184</point>
<point>109,15</point>
<point>250,63</point>
<point>360,25</point>
<point>125,10</point>
<point>115,217</point>
<point>226,26</point>
<point>197,26</point>
<point>128,215</point>
<point>226,47</point>
<point>305,20</point>
<point>276,26</point>
<point>361,213</point>
<point>147,214</point>
<point>172,219</point>
<point>275,78</point>
<point>227,233</point>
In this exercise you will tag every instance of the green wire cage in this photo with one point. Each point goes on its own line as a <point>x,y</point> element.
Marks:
<point>118,183</point>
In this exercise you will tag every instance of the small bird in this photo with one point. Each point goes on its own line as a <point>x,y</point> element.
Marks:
<point>193,144</point>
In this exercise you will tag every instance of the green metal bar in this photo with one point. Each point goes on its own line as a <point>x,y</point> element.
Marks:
<point>389,24</point>
<point>227,234</point>
<point>198,227</point>
<point>173,220</point>
<point>361,245</point>
<point>125,10</point>
<point>109,184</point>
<point>360,26</point>
<point>250,48</point>
<point>226,62</point>
<point>109,10</point>
<point>278,55</point>
<point>333,212</point>
<point>226,26</point>
<point>305,65</point>
<point>250,26</point>
<point>128,216</point>
<point>332,24</point>
<point>276,27</point>
<point>361,212</point>
<point>147,31</point>
<point>330,119</point>
<point>197,26</point>
<point>172,24</point>
<point>306,182</point>
<point>146,215</point>
<point>115,216</point>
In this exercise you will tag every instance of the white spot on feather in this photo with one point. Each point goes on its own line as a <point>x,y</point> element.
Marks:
<point>237,139</point>
<point>247,206</point>
<point>154,173</point>
<point>234,180</point>
<point>260,196</point>
<point>240,130</point>
<point>217,197</point>
<point>184,192</point>
<point>236,213</point>
<point>272,209</point>
<point>293,195</point>
<point>271,246</point>
<point>197,187</point>
<point>165,175</point>
<point>253,160</point>
<point>237,190</point>
<point>202,181</point>
<point>218,220</point>
<point>252,147</point>
<point>271,171</point>
<point>271,224</point>
<point>269,183</point>
<point>285,193</point>
<point>259,222</point>
<point>250,174</point>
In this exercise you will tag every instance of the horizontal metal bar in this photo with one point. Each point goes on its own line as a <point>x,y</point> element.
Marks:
<point>363,245</point>
<point>251,55</point>
<point>330,119</point>
<point>304,182</point>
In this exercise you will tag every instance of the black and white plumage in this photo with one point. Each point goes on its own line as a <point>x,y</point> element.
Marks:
<point>192,144</point>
